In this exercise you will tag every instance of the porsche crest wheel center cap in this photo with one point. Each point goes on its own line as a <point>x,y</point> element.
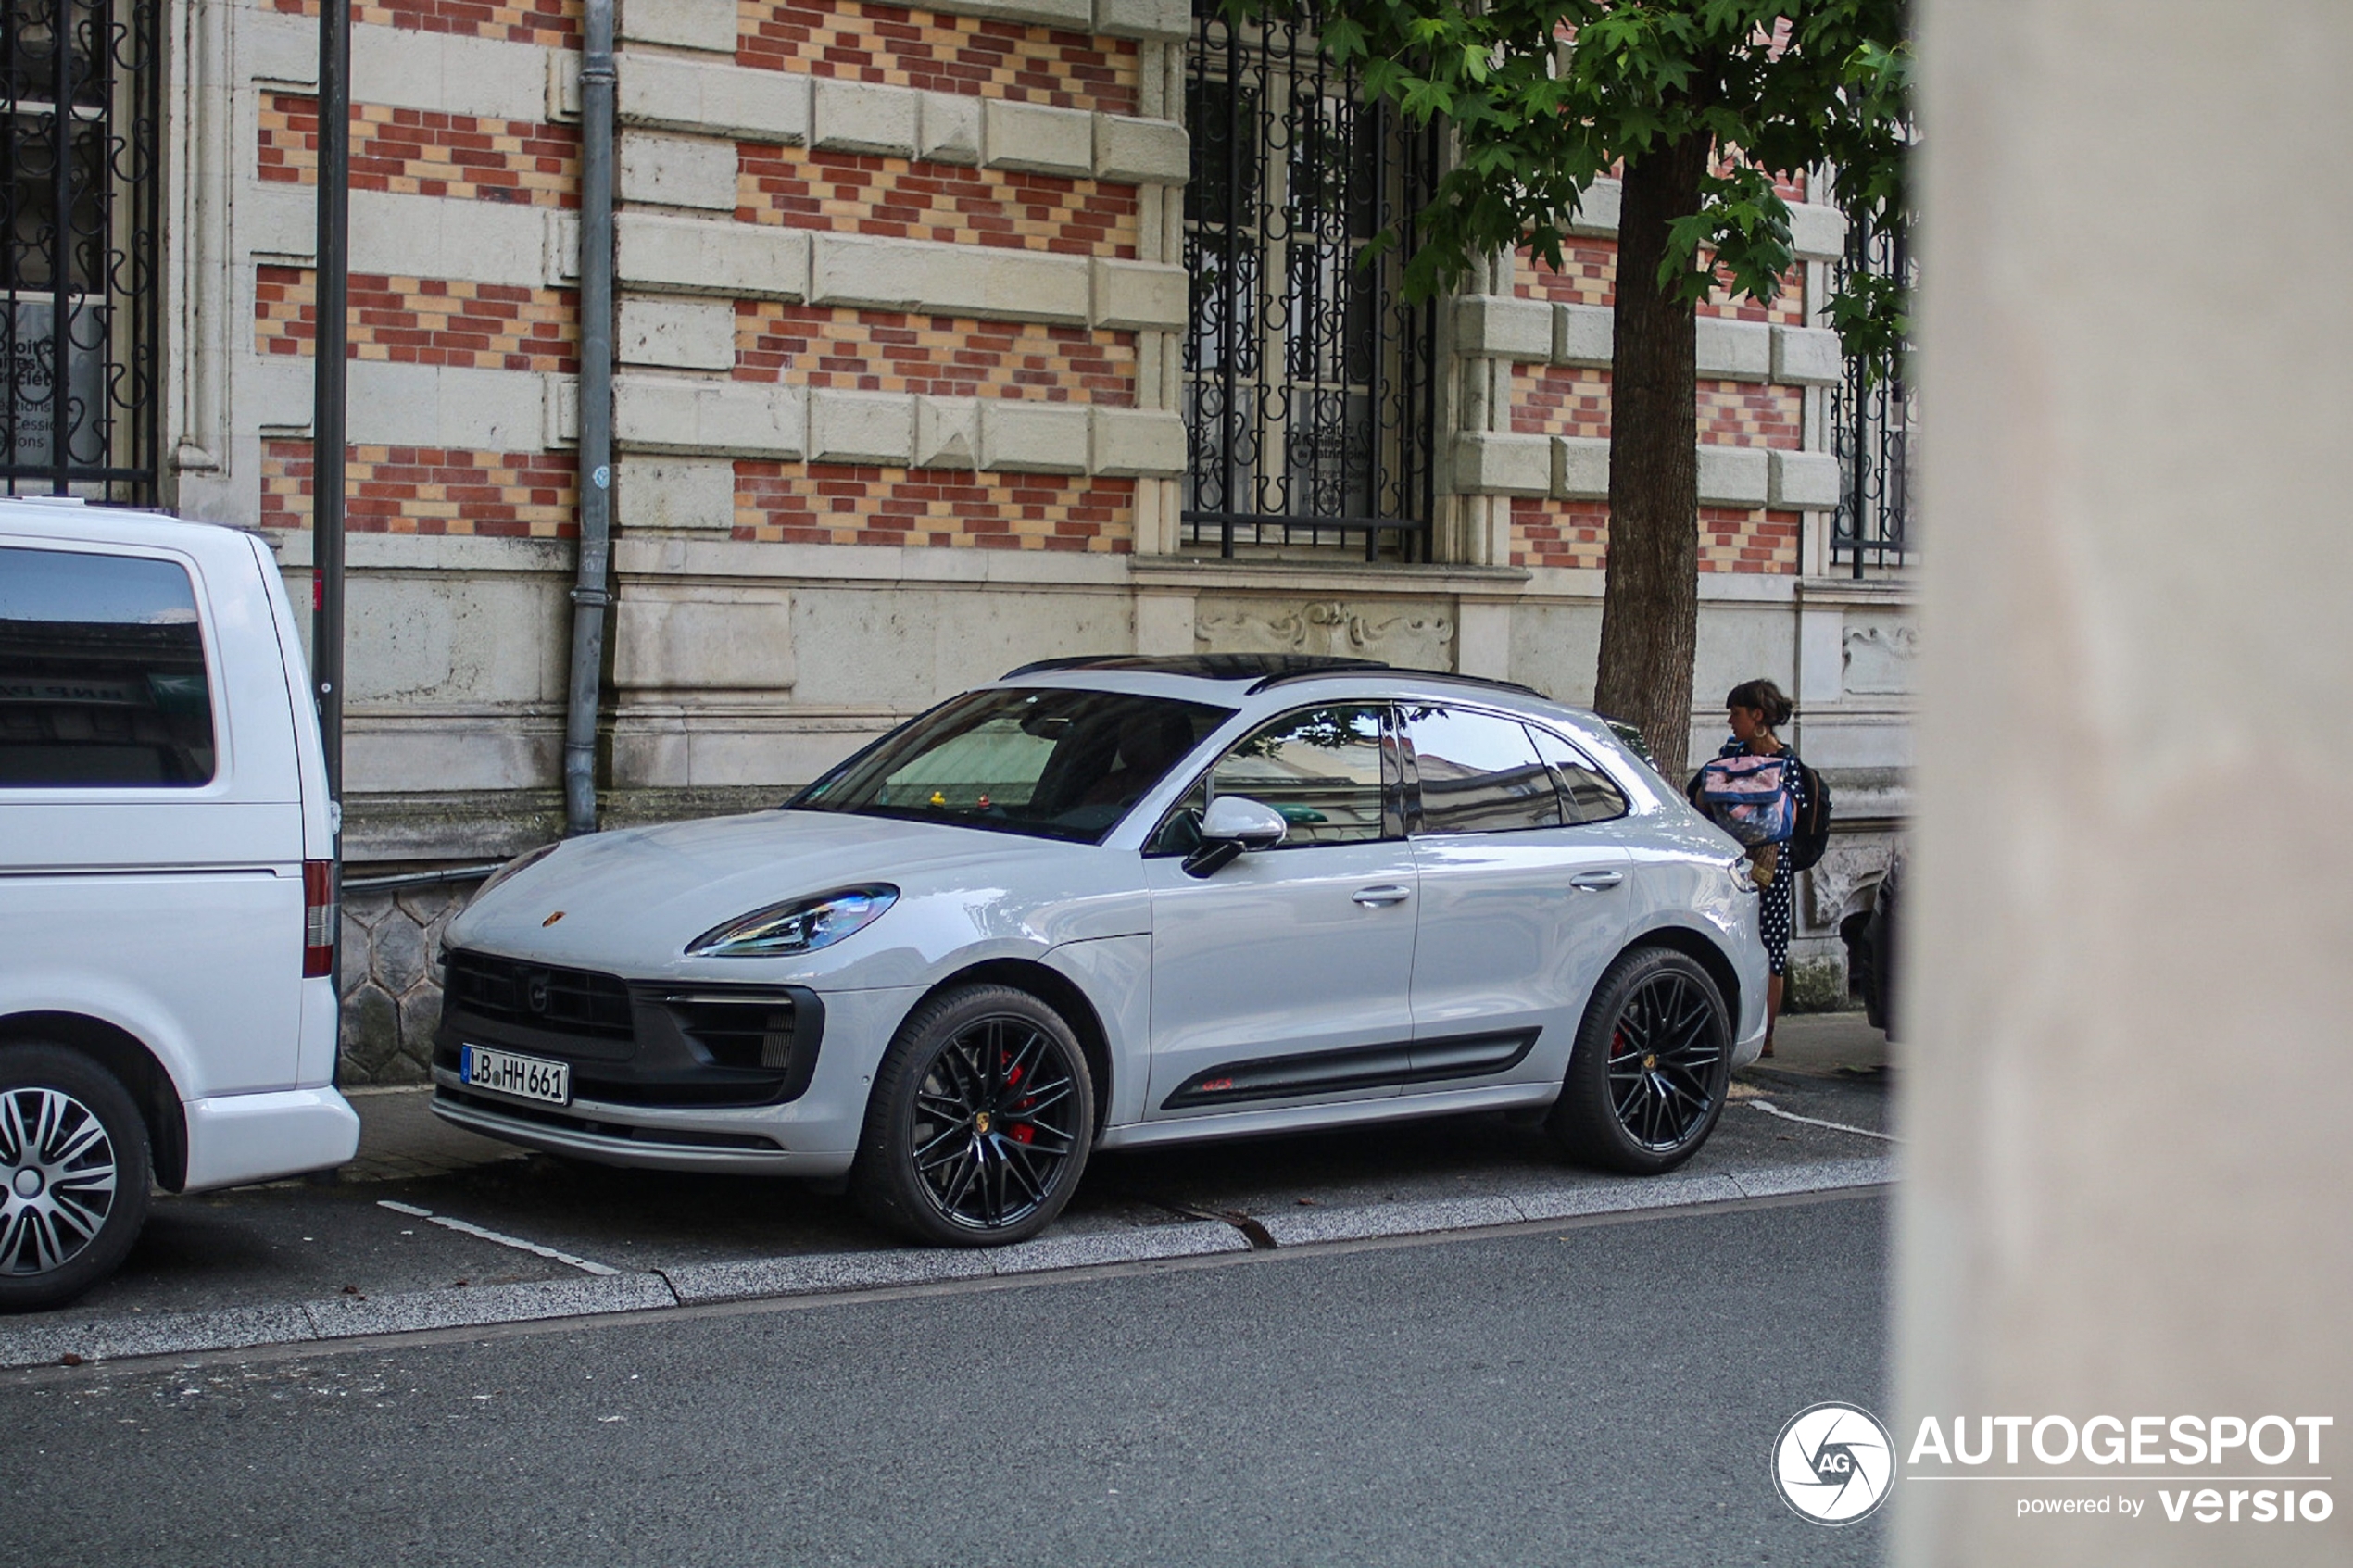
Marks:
<point>980,1122</point>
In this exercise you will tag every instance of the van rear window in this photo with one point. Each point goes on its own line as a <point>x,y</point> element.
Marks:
<point>102,673</point>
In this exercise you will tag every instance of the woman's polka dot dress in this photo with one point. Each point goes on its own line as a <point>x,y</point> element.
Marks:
<point>1773,903</point>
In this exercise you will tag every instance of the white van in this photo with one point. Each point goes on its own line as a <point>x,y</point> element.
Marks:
<point>166,888</point>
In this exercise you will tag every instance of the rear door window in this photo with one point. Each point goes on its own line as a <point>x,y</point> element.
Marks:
<point>1480,772</point>
<point>102,673</point>
<point>1587,793</point>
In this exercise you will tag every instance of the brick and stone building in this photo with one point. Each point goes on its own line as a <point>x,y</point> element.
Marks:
<point>947,338</point>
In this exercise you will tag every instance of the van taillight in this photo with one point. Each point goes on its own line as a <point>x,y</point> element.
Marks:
<point>319,916</point>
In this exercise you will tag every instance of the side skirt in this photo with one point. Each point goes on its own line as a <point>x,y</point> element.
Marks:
<point>1317,1118</point>
<point>1359,1067</point>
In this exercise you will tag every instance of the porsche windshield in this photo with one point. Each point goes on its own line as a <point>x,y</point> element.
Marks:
<point>1055,764</point>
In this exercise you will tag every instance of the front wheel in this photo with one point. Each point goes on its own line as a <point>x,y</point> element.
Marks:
<point>73,1159</point>
<point>980,1121</point>
<point>1651,1063</point>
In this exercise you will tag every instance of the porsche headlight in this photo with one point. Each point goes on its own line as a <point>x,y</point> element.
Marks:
<point>802,926</point>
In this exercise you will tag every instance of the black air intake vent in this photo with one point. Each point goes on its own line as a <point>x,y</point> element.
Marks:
<point>772,1030</point>
<point>737,1031</point>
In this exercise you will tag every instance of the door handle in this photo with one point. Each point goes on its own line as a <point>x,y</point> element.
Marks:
<point>1596,881</point>
<point>1387,893</point>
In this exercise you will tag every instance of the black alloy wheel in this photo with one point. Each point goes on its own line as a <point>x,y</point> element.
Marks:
<point>980,1121</point>
<point>1651,1063</point>
<point>73,1175</point>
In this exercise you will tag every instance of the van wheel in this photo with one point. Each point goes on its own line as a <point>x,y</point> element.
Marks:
<point>1651,1063</point>
<point>73,1175</point>
<point>980,1121</point>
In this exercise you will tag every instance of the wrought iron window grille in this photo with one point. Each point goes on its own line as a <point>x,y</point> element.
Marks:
<point>1873,414</point>
<point>1308,381</point>
<point>81,247</point>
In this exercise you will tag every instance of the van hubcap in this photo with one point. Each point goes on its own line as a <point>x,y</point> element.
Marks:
<point>60,1166</point>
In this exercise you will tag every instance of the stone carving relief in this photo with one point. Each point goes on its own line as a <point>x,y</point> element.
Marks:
<point>1879,658</point>
<point>1412,633</point>
<point>1850,864</point>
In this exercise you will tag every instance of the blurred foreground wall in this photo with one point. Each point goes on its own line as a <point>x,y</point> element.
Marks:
<point>2130,1077</point>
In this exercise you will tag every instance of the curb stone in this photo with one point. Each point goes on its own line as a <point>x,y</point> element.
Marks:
<point>1820,1176</point>
<point>476,1306</point>
<point>1628,1195</point>
<point>1306,1226</point>
<point>703,1284</point>
<point>37,1343</point>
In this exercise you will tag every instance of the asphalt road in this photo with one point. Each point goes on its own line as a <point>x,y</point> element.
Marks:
<point>293,1241</point>
<point>1597,1393</point>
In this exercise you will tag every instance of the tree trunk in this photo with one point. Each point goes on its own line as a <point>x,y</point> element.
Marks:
<point>1650,605</point>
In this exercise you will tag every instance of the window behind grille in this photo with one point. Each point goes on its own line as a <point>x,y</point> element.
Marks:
<point>1307,385</point>
<point>81,185</point>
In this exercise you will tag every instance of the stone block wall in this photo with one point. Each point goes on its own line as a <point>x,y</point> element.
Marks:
<point>391,982</point>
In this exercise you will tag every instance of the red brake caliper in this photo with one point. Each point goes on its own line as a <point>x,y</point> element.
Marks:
<point>1020,1132</point>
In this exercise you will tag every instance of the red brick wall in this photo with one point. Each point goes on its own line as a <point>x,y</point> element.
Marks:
<point>939,356</point>
<point>426,489</point>
<point>1560,400</point>
<point>1588,274</point>
<point>1575,533</point>
<point>1734,540</point>
<point>413,153</point>
<point>836,504</point>
<point>1741,413</point>
<point>934,201</point>
<point>1559,533</point>
<point>425,321</point>
<point>940,54</point>
<point>555,24</point>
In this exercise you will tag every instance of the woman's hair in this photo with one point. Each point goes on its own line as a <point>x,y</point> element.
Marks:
<point>1762,696</point>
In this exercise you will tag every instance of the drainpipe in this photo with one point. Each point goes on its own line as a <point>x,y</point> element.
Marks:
<point>328,424</point>
<point>590,598</point>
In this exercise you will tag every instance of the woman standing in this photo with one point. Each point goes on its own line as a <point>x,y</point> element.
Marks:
<point>1756,709</point>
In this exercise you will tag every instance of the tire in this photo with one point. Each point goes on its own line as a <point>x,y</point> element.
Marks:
<point>954,1151</point>
<point>1653,1059</point>
<point>74,1170</point>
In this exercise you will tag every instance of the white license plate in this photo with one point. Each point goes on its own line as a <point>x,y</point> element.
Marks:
<point>525,1077</point>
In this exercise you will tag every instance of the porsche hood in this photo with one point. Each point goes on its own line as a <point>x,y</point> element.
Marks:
<point>632,900</point>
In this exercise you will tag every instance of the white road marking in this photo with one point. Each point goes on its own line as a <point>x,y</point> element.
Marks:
<point>1769,1109</point>
<point>583,1264</point>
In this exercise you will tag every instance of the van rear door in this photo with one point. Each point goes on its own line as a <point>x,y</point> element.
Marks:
<point>151,831</point>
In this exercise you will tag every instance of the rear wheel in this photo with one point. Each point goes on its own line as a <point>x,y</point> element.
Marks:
<point>979,1122</point>
<point>1652,1059</point>
<point>73,1175</point>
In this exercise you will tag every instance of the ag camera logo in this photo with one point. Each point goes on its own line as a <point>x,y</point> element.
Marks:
<point>1834,1464</point>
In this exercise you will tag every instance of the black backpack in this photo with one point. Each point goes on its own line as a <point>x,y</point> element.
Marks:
<point>1813,835</point>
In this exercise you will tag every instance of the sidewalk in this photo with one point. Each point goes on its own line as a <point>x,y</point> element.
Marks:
<point>401,1139</point>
